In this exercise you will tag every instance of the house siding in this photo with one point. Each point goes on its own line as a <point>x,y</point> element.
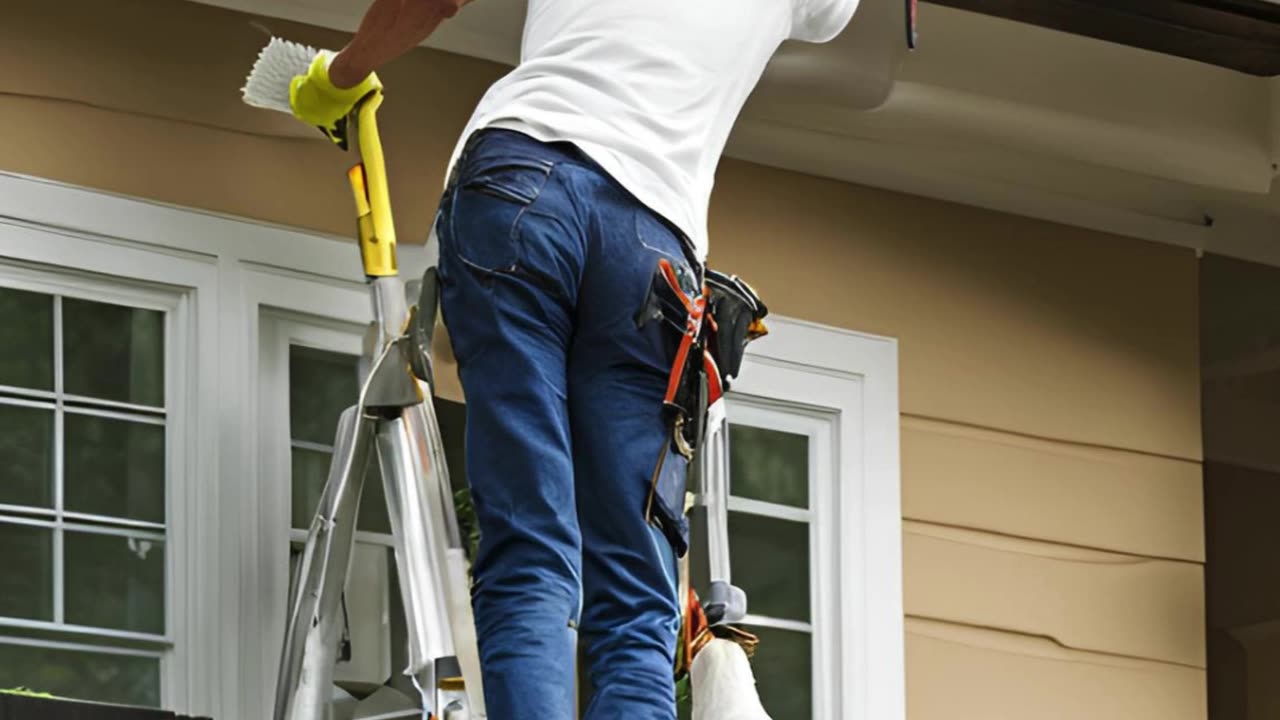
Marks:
<point>1051,447</point>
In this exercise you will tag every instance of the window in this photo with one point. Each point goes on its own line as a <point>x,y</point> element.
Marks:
<point>312,367</point>
<point>84,477</point>
<point>815,521</point>
<point>780,477</point>
<point>322,384</point>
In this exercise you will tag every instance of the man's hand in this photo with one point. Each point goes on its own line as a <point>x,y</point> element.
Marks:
<point>390,28</point>
<point>317,101</point>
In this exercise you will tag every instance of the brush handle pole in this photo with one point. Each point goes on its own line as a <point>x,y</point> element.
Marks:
<point>378,248</point>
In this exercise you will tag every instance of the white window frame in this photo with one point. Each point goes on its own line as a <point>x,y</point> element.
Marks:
<point>849,382</point>
<point>226,545</point>
<point>280,331</point>
<point>75,265</point>
<point>119,292</point>
<point>778,412</point>
<point>231,271</point>
<point>280,307</point>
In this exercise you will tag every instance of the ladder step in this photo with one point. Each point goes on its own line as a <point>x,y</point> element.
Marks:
<point>453,684</point>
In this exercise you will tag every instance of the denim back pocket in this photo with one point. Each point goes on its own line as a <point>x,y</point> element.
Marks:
<point>484,215</point>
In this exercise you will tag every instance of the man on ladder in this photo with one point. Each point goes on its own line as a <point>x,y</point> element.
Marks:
<point>573,220</point>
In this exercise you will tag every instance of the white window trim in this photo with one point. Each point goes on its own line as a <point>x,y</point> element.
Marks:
<point>772,406</point>
<point>71,264</point>
<point>280,332</point>
<point>804,367</point>
<point>227,270</point>
<point>73,284</point>
<point>230,271</point>
<point>244,269</point>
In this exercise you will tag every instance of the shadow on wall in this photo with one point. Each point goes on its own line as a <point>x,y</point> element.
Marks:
<point>1240,332</point>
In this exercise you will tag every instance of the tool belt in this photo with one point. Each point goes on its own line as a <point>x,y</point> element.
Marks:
<point>719,321</point>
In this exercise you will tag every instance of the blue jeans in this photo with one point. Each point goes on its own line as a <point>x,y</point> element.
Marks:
<point>546,264</point>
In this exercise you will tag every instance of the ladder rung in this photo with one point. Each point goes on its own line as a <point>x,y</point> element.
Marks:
<point>453,684</point>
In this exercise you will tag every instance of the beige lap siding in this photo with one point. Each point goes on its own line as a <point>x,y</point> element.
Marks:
<point>962,673</point>
<point>1083,599</point>
<point>1103,498</point>
<point>1051,448</point>
<point>1051,432</point>
<point>1004,322</point>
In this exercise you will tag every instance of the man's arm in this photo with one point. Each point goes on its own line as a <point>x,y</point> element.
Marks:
<point>390,28</point>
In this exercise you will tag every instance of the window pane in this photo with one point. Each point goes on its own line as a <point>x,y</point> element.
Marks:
<point>114,582</point>
<point>770,561</point>
<point>26,456</point>
<point>783,667</point>
<point>26,355</point>
<point>769,465</point>
<point>321,386</point>
<point>311,469</point>
<point>113,352</point>
<point>26,585</point>
<point>81,674</point>
<point>114,467</point>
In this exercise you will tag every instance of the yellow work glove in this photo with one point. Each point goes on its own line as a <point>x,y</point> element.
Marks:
<point>316,101</point>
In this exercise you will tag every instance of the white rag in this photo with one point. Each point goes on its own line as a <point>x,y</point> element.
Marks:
<point>723,685</point>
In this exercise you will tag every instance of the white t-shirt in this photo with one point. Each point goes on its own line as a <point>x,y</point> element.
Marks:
<point>649,89</point>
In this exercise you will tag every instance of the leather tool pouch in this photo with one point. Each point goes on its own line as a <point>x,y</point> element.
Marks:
<point>713,339</point>
<point>737,317</point>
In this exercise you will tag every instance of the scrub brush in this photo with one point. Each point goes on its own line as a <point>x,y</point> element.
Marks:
<point>269,82</point>
<point>277,65</point>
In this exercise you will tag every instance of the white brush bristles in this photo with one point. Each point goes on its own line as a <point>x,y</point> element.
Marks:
<point>279,62</point>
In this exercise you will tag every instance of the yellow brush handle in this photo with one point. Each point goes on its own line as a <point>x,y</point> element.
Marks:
<point>373,201</point>
<point>364,216</point>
